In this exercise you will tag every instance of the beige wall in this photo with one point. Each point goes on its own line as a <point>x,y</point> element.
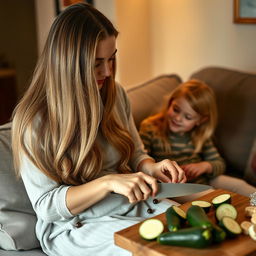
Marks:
<point>190,34</point>
<point>166,36</point>
<point>134,49</point>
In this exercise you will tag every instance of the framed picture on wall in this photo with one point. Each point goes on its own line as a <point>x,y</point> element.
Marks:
<point>245,11</point>
<point>62,4</point>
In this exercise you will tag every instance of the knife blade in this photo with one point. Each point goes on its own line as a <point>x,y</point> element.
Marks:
<point>166,190</point>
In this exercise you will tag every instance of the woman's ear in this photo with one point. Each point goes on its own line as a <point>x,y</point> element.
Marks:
<point>202,120</point>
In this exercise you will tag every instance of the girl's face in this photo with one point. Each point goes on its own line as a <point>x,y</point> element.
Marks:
<point>105,55</point>
<point>181,117</point>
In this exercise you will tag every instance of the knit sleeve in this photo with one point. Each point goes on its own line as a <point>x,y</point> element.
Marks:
<point>211,155</point>
<point>146,134</point>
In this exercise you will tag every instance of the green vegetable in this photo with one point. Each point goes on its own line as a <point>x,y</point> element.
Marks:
<point>195,237</point>
<point>204,204</point>
<point>218,234</point>
<point>197,217</point>
<point>231,226</point>
<point>150,229</point>
<point>226,210</point>
<point>175,217</point>
<point>221,199</point>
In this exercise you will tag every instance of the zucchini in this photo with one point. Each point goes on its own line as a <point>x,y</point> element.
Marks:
<point>204,204</point>
<point>221,199</point>
<point>218,234</point>
<point>226,210</point>
<point>231,226</point>
<point>195,237</point>
<point>197,217</point>
<point>175,217</point>
<point>150,229</point>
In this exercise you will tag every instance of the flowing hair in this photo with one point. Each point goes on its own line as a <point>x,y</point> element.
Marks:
<point>201,98</point>
<point>56,122</point>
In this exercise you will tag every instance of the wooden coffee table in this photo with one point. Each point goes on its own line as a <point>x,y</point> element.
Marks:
<point>242,245</point>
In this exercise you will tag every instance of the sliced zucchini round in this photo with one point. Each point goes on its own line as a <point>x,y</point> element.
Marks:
<point>203,204</point>
<point>150,229</point>
<point>231,226</point>
<point>226,210</point>
<point>179,212</point>
<point>221,199</point>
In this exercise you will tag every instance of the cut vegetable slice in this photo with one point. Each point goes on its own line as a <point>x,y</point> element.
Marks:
<point>250,210</point>
<point>150,229</point>
<point>203,204</point>
<point>245,226</point>
<point>231,226</point>
<point>179,212</point>
<point>252,231</point>
<point>226,210</point>
<point>221,199</point>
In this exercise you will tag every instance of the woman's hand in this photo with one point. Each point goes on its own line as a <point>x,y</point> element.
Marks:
<point>135,186</point>
<point>195,170</point>
<point>164,171</point>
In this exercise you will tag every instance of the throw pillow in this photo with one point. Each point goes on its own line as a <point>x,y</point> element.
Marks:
<point>250,172</point>
<point>17,217</point>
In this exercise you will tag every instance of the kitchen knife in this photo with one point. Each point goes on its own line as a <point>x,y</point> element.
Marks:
<point>166,190</point>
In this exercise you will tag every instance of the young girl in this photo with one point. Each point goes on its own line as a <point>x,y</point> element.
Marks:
<point>183,132</point>
<point>76,146</point>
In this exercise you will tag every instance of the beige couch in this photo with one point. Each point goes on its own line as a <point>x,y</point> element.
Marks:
<point>236,96</point>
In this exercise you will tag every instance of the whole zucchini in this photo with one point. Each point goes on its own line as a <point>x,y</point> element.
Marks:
<point>194,237</point>
<point>197,217</point>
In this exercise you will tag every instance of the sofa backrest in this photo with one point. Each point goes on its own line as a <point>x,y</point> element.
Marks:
<point>147,99</point>
<point>236,99</point>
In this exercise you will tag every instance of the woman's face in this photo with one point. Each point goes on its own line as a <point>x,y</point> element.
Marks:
<point>105,55</point>
<point>181,117</point>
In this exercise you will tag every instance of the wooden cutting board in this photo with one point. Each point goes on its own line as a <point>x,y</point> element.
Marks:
<point>242,245</point>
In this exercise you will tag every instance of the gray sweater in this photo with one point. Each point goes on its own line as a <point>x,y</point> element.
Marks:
<point>57,228</point>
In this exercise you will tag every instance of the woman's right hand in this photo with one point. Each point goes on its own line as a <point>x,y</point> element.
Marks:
<point>135,186</point>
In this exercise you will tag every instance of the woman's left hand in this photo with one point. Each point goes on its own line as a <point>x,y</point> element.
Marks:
<point>164,171</point>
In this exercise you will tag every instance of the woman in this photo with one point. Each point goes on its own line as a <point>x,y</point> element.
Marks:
<point>76,146</point>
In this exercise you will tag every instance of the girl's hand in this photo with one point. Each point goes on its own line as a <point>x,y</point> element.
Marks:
<point>195,170</point>
<point>135,186</point>
<point>164,171</point>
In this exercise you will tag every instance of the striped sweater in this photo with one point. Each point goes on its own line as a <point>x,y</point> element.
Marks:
<point>181,150</point>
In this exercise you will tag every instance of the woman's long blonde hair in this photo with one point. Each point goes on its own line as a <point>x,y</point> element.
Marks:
<point>57,121</point>
<point>201,98</point>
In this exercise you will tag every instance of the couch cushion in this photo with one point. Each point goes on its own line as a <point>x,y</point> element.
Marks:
<point>236,94</point>
<point>17,218</point>
<point>147,98</point>
<point>250,172</point>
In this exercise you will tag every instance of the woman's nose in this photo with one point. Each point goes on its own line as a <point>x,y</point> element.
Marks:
<point>106,69</point>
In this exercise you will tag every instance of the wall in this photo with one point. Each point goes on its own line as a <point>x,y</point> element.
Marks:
<point>18,43</point>
<point>45,14</point>
<point>166,36</point>
<point>187,35</point>
<point>134,47</point>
